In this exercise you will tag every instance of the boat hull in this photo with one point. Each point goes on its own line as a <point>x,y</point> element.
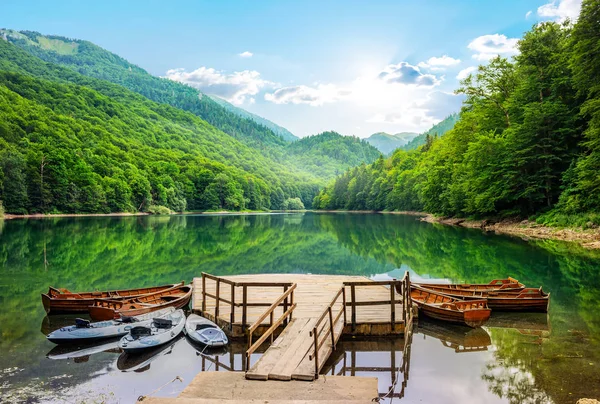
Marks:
<point>472,318</point>
<point>107,310</point>
<point>209,335</point>
<point>58,301</point>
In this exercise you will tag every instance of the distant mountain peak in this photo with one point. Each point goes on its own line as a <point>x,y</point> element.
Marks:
<point>387,143</point>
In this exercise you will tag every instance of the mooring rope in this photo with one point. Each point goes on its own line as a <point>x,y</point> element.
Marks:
<point>141,398</point>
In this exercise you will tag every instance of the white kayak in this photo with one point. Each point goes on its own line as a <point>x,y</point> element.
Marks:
<point>158,332</point>
<point>84,330</point>
<point>204,331</point>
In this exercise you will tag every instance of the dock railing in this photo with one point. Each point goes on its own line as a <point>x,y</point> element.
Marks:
<point>325,327</point>
<point>274,324</point>
<point>402,287</point>
<point>244,303</point>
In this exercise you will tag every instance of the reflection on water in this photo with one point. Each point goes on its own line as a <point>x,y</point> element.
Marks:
<point>514,358</point>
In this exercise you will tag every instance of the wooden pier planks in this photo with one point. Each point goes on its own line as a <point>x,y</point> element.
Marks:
<point>289,356</point>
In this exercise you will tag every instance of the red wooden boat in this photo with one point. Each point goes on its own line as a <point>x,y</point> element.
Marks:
<point>473,313</point>
<point>528,299</point>
<point>106,309</point>
<point>65,301</point>
<point>509,284</point>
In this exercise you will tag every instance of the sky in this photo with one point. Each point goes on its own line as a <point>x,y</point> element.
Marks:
<point>354,67</point>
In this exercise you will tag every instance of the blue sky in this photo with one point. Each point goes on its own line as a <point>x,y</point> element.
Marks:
<point>352,66</point>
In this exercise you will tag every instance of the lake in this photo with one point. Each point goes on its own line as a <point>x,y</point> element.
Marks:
<point>530,358</point>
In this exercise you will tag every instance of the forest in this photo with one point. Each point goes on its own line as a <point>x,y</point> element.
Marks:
<point>71,143</point>
<point>527,142</point>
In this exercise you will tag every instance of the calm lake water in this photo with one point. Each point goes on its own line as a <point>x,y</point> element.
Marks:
<point>532,358</point>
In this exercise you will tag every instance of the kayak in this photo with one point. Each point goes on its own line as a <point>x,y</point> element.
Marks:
<point>84,330</point>
<point>204,331</point>
<point>160,331</point>
<point>65,301</point>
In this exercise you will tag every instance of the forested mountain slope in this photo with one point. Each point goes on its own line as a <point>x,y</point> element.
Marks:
<point>387,143</point>
<point>439,129</point>
<point>70,143</point>
<point>281,131</point>
<point>527,141</point>
<point>91,60</point>
<point>328,154</point>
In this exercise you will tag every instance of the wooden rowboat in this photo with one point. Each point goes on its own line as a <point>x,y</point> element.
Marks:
<point>65,301</point>
<point>528,299</point>
<point>473,313</point>
<point>105,309</point>
<point>509,284</point>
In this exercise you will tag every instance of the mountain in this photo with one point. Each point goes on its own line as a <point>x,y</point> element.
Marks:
<point>438,129</point>
<point>71,143</point>
<point>329,154</point>
<point>91,60</point>
<point>283,132</point>
<point>387,143</point>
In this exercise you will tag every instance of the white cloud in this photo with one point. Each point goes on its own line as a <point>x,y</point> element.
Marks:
<point>439,63</point>
<point>235,87</point>
<point>465,72</point>
<point>246,54</point>
<point>406,74</point>
<point>561,11</point>
<point>314,96</point>
<point>439,104</point>
<point>490,46</point>
<point>528,14</point>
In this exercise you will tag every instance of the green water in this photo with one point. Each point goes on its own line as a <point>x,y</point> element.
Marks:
<point>532,359</point>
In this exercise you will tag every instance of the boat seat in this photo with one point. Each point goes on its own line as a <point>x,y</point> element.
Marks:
<point>139,332</point>
<point>203,326</point>
<point>162,323</point>
<point>127,319</point>
<point>82,323</point>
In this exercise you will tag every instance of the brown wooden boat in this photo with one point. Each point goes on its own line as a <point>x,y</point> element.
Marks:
<point>473,313</point>
<point>509,284</point>
<point>528,299</point>
<point>65,301</point>
<point>106,309</point>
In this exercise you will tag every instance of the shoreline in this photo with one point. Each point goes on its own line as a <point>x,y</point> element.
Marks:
<point>589,239</point>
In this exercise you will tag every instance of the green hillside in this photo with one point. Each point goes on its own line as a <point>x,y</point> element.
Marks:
<point>387,143</point>
<point>70,143</point>
<point>283,132</point>
<point>91,60</point>
<point>329,154</point>
<point>438,129</point>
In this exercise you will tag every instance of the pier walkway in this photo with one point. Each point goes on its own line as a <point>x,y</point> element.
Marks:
<point>302,316</point>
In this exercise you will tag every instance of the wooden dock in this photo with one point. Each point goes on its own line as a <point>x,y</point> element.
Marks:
<point>233,388</point>
<point>302,316</point>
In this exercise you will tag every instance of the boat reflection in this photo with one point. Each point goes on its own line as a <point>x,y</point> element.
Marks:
<point>459,338</point>
<point>81,352</point>
<point>536,324</point>
<point>140,362</point>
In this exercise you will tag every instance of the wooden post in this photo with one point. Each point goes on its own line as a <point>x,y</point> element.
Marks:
<point>244,306</point>
<point>353,303</point>
<point>316,342</point>
<point>285,305</point>
<point>344,303</point>
<point>291,304</point>
<point>271,323</point>
<point>331,329</point>
<point>392,298</point>
<point>218,300</point>
<point>232,317</point>
<point>203,294</point>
